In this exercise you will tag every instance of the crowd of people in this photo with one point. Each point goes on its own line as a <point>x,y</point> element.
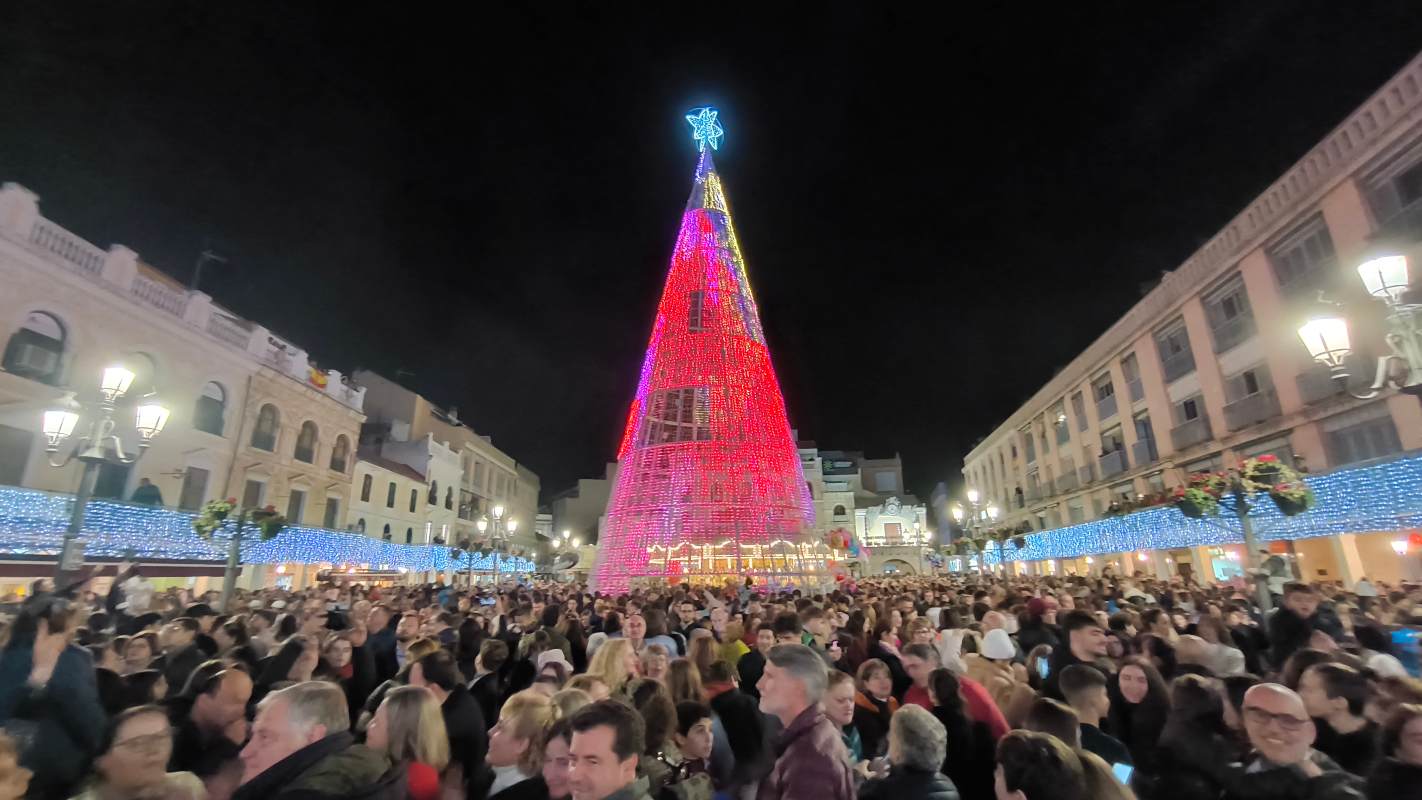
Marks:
<point>966,687</point>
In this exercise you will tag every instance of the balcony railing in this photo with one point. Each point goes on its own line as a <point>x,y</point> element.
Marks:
<point>1063,434</point>
<point>1087,473</point>
<point>1316,385</point>
<point>1249,410</point>
<point>1114,463</point>
<point>1190,433</point>
<point>1143,452</point>
<point>1106,407</point>
<point>1067,482</point>
<point>1232,332</point>
<point>1178,365</point>
<point>1136,390</point>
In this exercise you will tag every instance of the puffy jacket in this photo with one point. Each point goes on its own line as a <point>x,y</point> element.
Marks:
<point>811,762</point>
<point>58,726</point>
<point>910,784</point>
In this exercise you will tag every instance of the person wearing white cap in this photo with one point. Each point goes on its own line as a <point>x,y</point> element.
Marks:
<point>553,662</point>
<point>993,667</point>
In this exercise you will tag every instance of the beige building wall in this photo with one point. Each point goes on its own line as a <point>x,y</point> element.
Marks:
<point>1296,411</point>
<point>111,308</point>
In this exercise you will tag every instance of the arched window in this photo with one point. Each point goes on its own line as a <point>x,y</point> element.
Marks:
<point>339,452</point>
<point>414,498</point>
<point>264,435</point>
<point>36,350</point>
<point>409,535</point>
<point>449,497</point>
<point>210,409</point>
<point>365,485</point>
<point>839,511</point>
<point>385,534</point>
<point>306,443</point>
<point>434,493</point>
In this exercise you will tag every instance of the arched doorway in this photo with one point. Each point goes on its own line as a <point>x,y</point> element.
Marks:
<point>896,566</point>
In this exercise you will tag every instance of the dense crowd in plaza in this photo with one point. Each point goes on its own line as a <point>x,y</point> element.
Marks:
<point>970,687</point>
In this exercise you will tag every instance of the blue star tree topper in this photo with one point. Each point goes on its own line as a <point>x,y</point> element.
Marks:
<point>704,128</point>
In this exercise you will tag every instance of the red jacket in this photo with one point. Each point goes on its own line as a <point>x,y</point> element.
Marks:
<point>976,700</point>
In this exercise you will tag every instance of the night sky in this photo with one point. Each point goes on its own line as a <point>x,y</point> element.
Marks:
<point>936,212</point>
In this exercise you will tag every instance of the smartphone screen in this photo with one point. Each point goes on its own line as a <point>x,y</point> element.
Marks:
<point>1043,668</point>
<point>1122,772</point>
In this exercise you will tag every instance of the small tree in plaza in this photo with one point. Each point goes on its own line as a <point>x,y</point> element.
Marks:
<point>214,515</point>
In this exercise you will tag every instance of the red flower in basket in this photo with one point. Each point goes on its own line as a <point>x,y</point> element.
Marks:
<point>1267,458</point>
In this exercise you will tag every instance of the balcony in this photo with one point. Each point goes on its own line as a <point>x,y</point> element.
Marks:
<point>1178,365</point>
<point>1136,390</point>
<point>1087,474</point>
<point>1190,433</point>
<point>1143,452</point>
<point>1316,385</point>
<point>1067,482</point>
<point>1063,434</point>
<point>1253,409</point>
<point>1114,463</point>
<point>1106,407</point>
<point>1232,332</point>
<point>1034,493</point>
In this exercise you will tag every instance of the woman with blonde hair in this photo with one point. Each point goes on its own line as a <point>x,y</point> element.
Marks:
<point>615,663</point>
<point>516,750</point>
<point>655,659</point>
<point>731,647</point>
<point>409,727</point>
<point>684,681</point>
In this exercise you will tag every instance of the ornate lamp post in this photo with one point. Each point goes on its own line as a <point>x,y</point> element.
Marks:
<point>1326,336</point>
<point>499,532</point>
<point>974,518</point>
<point>99,445</point>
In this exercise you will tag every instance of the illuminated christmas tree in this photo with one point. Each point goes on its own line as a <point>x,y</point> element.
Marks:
<point>709,485</point>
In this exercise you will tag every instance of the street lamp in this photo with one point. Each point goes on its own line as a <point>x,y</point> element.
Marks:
<point>98,446</point>
<point>1326,336</point>
<point>974,518</point>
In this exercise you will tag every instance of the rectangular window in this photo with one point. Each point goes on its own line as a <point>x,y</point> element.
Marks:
<point>696,302</point>
<point>252,494</point>
<point>1131,371</point>
<point>479,475</point>
<point>365,486</point>
<point>1189,409</point>
<point>1078,408</point>
<point>295,505</point>
<point>1247,383</point>
<point>414,499</point>
<point>1304,260</point>
<point>1076,512</point>
<point>1357,436</point>
<point>893,532</point>
<point>333,513</point>
<point>1176,359</point>
<point>1227,309</point>
<point>677,415</point>
<point>1395,192</point>
<point>194,489</point>
<point>390,495</point>
<point>1105,393</point>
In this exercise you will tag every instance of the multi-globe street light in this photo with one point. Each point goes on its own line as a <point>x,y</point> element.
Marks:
<point>1385,277</point>
<point>978,514</point>
<point>98,446</point>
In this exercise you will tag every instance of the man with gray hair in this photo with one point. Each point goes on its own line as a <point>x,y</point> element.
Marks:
<point>918,745</point>
<point>811,761</point>
<point>301,744</point>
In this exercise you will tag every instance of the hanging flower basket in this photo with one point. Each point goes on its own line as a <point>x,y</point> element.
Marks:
<point>211,517</point>
<point>1292,498</point>
<point>268,521</point>
<point>1196,503</point>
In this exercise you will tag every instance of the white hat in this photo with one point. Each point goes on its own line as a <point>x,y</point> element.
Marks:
<point>255,604</point>
<point>553,656</point>
<point>278,604</point>
<point>997,645</point>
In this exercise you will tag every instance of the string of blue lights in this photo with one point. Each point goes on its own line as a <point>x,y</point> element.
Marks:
<point>32,525</point>
<point>1378,497</point>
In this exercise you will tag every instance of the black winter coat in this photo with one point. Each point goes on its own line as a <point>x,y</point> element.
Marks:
<point>468,735</point>
<point>1394,780</point>
<point>910,784</point>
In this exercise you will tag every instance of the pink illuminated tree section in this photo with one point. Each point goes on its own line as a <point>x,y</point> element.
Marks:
<point>709,485</point>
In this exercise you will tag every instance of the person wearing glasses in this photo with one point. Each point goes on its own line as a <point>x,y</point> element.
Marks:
<point>134,762</point>
<point>1283,762</point>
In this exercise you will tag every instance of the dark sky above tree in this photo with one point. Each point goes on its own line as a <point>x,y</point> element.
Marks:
<point>937,212</point>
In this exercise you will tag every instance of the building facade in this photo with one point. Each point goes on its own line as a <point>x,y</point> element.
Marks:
<point>251,416</point>
<point>1207,369</point>
<point>485,477</point>
<point>864,499</point>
